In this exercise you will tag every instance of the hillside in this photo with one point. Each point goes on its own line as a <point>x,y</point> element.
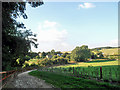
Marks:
<point>105,50</point>
<point>108,51</point>
<point>100,48</point>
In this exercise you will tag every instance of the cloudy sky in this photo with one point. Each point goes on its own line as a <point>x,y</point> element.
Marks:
<point>64,25</point>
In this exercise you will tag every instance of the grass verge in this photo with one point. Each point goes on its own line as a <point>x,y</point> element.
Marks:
<point>63,82</point>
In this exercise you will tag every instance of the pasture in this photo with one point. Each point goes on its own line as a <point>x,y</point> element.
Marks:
<point>96,62</point>
<point>67,82</point>
<point>113,51</point>
<point>110,69</point>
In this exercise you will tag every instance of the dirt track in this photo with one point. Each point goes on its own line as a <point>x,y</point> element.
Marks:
<point>24,80</point>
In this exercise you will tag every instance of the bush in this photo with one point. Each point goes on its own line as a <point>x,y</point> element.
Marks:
<point>37,57</point>
<point>48,62</point>
<point>55,56</point>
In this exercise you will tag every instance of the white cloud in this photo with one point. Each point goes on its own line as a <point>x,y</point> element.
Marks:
<point>86,5</point>
<point>48,24</point>
<point>49,32</point>
<point>50,36</point>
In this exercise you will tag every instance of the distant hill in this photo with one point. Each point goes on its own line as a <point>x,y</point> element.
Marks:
<point>99,48</point>
<point>108,50</point>
<point>112,51</point>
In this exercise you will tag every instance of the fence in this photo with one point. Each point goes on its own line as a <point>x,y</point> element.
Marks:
<point>7,75</point>
<point>99,73</point>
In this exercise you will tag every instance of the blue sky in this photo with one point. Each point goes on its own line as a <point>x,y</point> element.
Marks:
<point>64,25</point>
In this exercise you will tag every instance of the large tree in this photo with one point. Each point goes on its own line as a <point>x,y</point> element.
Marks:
<point>15,42</point>
<point>80,53</point>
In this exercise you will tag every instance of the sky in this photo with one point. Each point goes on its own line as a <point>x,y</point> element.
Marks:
<point>64,25</point>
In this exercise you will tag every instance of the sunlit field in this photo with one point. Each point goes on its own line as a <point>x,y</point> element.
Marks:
<point>92,63</point>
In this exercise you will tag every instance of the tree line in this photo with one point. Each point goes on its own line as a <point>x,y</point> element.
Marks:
<point>79,54</point>
<point>16,38</point>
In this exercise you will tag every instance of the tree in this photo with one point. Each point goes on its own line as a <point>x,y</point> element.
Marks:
<point>93,56</point>
<point>15,42</point>
<point>55,56</point>
<point>100,55</point>
<point>68,56</point>
<point>58,52</point>
<point>52,52</point>
<point>43,55</point>
<point>80,53</point>
<point>64,54</point>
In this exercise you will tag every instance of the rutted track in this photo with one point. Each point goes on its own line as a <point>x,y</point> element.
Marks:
<point>24,80</point>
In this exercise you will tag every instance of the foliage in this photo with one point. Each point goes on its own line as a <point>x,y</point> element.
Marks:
<point>52,52</point>
<point>100,55</point>
<point>93,56</point>
<point>80,53</point>
<point>58,52</point>
<point>32,54</point>
<point>64,54</point>
<point>37,57</point>
<point>43,55</point>
<point>15,42</point>
<point>68,56</point>
<point>55,56</point>
<point>52,61</point>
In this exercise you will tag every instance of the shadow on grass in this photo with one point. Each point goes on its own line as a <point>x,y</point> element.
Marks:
<point>100,61</point>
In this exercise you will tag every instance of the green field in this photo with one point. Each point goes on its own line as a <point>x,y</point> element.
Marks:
<point>109,73</point>
<point>82,75</point>
<point>63,82</point>
<point>110,69</point>
<point>113,51</point>
<point>95,62</point>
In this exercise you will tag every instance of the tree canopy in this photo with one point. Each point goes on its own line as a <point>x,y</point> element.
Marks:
<point>80,53</point>
<point>16,39</point>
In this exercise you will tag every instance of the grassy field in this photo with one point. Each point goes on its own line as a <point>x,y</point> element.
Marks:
<point>113,51</point>
<point>63,82</point>
<point>110,69</point>
<point>109,73</point>
<point>95,62</point>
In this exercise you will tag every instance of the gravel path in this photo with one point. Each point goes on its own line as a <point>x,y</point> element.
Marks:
<point>24,80</point>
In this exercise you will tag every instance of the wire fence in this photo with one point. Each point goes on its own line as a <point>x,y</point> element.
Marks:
<point>98,73</point>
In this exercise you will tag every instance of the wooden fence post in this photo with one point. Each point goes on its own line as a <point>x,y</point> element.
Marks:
<point>110,74</point>
<point>100,72</point>
<point>116,75</point>
<point>73,71</point>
